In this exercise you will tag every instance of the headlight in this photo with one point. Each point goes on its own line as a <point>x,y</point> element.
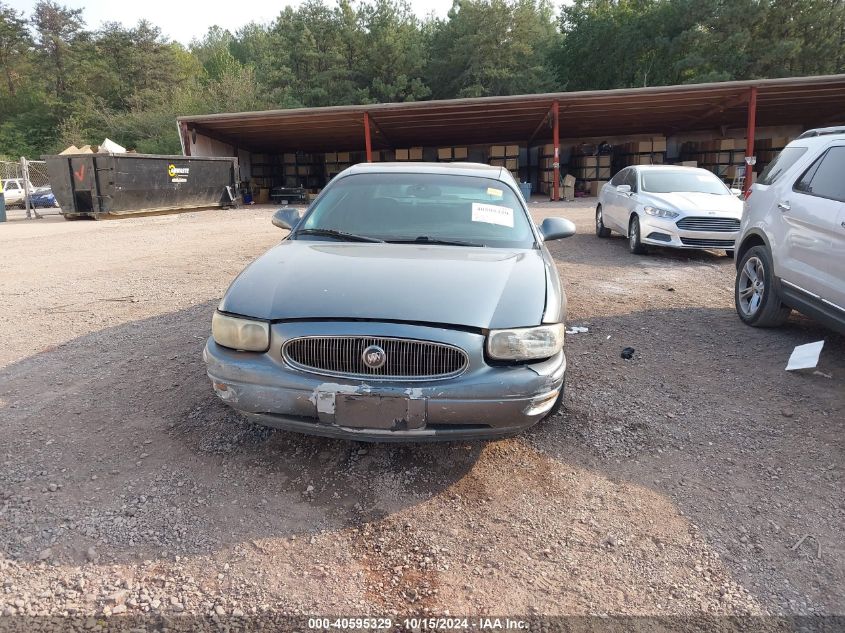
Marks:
<point>525,343</point>
<point>660,213</point>
<point>241,334</point>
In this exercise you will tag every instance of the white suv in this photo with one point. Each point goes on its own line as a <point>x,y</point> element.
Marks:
<point>791,252</point>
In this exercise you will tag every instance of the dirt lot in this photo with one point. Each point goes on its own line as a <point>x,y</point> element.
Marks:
<point>681,482</point>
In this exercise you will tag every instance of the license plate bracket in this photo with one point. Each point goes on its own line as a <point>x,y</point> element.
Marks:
<point>372,411</point>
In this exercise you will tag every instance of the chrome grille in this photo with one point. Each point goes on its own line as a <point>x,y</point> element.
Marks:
<point>691,241</point>
<point>721,225</point>
<point>405,358</point>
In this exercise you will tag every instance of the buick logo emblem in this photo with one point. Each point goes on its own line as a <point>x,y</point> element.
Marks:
<point>374,357</point>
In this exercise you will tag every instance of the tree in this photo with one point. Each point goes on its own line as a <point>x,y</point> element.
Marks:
<point>492,47</point>
<point>14,42</point>
<point>57,29</point>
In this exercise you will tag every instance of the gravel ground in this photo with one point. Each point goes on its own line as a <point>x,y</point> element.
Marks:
<point>696,479</point>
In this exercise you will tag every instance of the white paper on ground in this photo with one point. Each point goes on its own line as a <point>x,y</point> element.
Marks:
<point>492,214</point>
<point>577,329</point>
<point>805,356</point>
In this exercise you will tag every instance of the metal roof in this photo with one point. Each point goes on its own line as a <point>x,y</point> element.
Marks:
<point>808,101</point>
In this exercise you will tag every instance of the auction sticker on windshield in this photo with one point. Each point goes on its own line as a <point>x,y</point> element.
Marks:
<point>492,214</point>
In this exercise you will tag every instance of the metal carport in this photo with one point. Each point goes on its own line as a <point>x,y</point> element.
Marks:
<point>808,101</point>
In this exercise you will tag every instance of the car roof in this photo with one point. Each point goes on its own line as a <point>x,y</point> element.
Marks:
<point>411,167</point>
<point>836,130</point>
<point>669,168</point>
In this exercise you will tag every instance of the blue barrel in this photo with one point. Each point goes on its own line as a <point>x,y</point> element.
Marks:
<point>2,207</point>
<point>525,188</point>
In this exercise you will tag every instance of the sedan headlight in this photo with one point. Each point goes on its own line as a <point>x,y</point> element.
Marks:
<point>525,343</point>
<point>241,334</point>
<point>661,213</point>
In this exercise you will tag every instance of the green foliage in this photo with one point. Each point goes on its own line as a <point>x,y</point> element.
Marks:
<point>62,83</point>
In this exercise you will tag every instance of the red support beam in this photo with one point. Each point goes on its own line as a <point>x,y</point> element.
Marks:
<point>749,136</point>
<point>556,140</point>
<point>367,141</point>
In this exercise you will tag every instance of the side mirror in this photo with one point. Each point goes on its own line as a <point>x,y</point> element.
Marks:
<point>556,229</point>
<point>623,188</point>
<point>286,218</point>
<point>736,192</point>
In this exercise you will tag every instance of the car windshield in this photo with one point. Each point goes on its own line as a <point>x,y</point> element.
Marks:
<point>692,181</point>
<point>413,207</point>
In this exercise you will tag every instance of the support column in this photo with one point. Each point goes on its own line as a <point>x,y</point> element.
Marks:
<point>556,140</point>
<point>367,142</point>
<point>749,137</point>
<point>186,138</point>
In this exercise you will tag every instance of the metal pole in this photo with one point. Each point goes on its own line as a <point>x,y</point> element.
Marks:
<point>367,142</point>
<point>26,192</point>
<point>749,138</point>
<point>556,163</point>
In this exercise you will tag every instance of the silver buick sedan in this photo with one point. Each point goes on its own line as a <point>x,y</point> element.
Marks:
<point>667,205</point>
<point>412,301</point>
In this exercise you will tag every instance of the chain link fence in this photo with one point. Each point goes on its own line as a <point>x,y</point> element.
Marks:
<point>24,182</point>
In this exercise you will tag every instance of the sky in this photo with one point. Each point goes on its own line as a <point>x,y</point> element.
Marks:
<point>184,20</point>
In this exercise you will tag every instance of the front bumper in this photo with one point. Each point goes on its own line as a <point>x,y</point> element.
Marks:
<point>665,232</point>
<point>482,403</point>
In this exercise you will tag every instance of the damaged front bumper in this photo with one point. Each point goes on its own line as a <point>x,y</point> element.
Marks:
<point>484,402</point>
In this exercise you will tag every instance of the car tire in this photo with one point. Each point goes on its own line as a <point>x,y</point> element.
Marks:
<point>756,297</point>
<point>601,229</point>
<point>635,244</point>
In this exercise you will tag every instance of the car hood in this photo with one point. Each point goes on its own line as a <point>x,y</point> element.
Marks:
<point>473,287</point>
<point>696,203</point>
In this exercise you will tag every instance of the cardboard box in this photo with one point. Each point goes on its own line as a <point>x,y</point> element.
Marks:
<point>588,161</point>
<point>547,150</point>
<point>595,187</point>
<point>444,153</point>
<point>724,143</point>
<point>641,160</point>
<point>497,151</point>
<point>290,170</point>
<point>331,157</point>
<point>640,147</point>
<point>604,173</point>
<point>402,154</point>
<point>460,153</point>
<point>289,158</point>
<point>263,196</point>
<point>779,142</point>
<point>604,160</point>
<point>688,163</point>
<point>343,157</point>
<point>512,151</point>
<point>569,180</point>
<point>497,162</point>
<point>512,164</point>
<point>415,153</point>
<point>303,170</point>
<point>658,143</point>
<point>568,193</point>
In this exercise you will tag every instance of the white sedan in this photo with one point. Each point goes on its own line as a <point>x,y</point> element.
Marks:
<point>666,205</point>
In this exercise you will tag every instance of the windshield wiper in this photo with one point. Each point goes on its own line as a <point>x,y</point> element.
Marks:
<point>351,237</point>
<point>424,239</point>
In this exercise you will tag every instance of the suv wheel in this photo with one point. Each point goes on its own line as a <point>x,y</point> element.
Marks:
<point>634,244</point>
<point>757,300</point>
<point>601,229</point>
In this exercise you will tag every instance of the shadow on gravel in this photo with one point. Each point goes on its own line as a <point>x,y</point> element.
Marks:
<point>116,440</point>
<point>706,415</point>
<point>585,248</point>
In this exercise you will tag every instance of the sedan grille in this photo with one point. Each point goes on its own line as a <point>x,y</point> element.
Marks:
<point>722,225</point>
<point>691,241</point>
<point>402,358</point>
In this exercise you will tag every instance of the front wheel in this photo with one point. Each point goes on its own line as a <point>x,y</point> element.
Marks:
<point>635,244</point>
<point>601,229</point>
<point>756,298</point>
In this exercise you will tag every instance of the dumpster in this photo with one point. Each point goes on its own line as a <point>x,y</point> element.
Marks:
<point>96,185</point>
<point>2,207</point>
<point>525,188</point>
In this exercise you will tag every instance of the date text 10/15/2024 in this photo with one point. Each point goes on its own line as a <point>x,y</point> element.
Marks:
<point>419,624</point>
